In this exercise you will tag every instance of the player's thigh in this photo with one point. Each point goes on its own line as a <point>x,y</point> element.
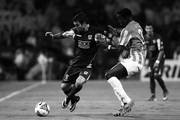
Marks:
<point>118,70</point>
<point>71,75</point>
<point>131,66</point>
<point>84,76</point>
<point>35,70</point>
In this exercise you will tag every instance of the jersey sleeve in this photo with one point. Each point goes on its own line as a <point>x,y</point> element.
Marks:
<point>133,31</point>
<point>160,45</point>
<point>77,30</point>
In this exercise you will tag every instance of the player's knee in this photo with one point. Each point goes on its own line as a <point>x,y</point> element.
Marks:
<point>151,74</point>
<point>65,86</point>
<point>157,76</point>
<point>108,75</point>
<point>80,80</point>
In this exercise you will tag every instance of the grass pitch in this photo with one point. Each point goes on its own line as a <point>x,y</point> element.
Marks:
<point>98,101</point>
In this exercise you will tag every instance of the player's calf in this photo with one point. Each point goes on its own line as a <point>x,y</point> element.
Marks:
<point>74,101</point>
<point>66,88</point>
<point>65,103</point>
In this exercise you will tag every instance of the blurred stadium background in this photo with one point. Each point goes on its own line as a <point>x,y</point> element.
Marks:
<point>23,24</point>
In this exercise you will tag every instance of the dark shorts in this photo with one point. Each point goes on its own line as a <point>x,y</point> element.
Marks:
<point>118,70</point>
<point>72,74</point>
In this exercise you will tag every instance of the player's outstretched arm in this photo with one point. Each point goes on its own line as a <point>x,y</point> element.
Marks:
<point>66,34</point>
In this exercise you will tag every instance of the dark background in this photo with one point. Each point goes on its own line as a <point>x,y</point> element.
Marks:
<point>24,22</point>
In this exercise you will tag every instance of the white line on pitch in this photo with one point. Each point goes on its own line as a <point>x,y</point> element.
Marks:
<point>20,91</point>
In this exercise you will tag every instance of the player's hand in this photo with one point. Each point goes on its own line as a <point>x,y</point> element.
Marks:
<point>69,33</point>
<point>112,30</point>
<point>49,35</point>
<point>156,65</point>
<point>101,38</point>
<point>125,54</point>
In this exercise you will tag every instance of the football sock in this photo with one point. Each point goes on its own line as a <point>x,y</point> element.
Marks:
<point>152,85</point>
<point>75,89</point>
<point>162,84</point>
<point>119,98</point>
<point>67,91</point>
<point>118,89</point>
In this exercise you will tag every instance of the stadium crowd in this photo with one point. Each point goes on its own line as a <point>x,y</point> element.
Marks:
<point>24,22</point>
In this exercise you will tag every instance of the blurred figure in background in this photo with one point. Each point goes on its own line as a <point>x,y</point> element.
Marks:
<point>176,54</point>
<point>156,57</point>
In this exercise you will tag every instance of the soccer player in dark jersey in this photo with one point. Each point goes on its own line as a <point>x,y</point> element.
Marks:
<point>156,57</point>
<point>86,46</point>
<point>131,41</point>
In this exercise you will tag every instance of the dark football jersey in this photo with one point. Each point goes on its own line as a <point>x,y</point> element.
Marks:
<point>85,46</point>
<point>154,46</point>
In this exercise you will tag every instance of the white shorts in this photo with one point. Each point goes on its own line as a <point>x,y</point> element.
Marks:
<point>131,66</point>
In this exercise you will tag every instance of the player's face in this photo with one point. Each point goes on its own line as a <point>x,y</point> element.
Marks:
<point>85,26</point>
<point>77,24</point>
<point>149,29</point>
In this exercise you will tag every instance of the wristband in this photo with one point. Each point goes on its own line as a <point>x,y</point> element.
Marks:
<point>157,61</point>
<point>109,47</point>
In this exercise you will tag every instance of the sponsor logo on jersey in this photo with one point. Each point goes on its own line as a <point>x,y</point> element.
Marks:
<point>83,44</point>
<point>89,37</point>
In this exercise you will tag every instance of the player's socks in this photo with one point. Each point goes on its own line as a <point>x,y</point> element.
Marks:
<point>162,84</point>
<point>165,95</point>
<point>119,98</point>
<point>74,101</point>
<point>152,98</point>
<point>117,87</point>
<point>75,89</point>
<point>65,103</point>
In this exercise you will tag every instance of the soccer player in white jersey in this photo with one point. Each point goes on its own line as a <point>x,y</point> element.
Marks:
<point>131,60</point>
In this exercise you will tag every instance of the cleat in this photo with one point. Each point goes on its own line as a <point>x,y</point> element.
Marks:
<point>165,96</point>
<point>74,101</point>
<point>65,103</point>
<point>152,98</point>
<point>128,107</point>
<point>124,110</point>
<point>120,112</point>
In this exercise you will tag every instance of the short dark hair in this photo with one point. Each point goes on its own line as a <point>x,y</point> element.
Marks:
<point>81,17</point>
<point>125,13</point>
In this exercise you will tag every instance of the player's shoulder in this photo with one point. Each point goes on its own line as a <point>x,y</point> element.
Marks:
<point>133,26</point>
<point>157,37</point>
<point>96,29</point>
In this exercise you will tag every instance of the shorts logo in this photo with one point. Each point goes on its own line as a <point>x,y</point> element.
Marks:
<point>85,72</point>
<point>66,77</point>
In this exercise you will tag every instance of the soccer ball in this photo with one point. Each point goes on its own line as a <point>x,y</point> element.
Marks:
<point>42,109</point>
